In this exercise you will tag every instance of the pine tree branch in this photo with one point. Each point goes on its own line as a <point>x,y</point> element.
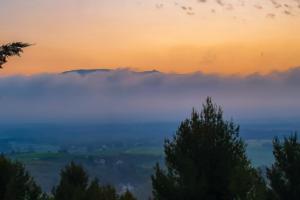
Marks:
<point>11,49</point>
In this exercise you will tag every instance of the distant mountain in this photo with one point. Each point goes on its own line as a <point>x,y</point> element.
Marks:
<point>86,71</point>
<point>90,71</point>
<point>149,72</point>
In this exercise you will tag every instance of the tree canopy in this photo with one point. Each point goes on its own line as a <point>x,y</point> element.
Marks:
<point>74,184</point>
<point>16,183</point>
<point>284,175</point>
<point>206,159</point>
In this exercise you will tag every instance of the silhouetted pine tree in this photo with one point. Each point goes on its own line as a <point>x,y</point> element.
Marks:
<point>127,196</point>
<point>73,183</point>
<point>206,160</point>
<point>284,175</point>
<point>16,183</point>
<point>93,191</point>
<point>98,192</point>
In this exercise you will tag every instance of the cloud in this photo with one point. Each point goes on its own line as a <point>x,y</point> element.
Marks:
<point>286,7</point>
<point>125,95</point>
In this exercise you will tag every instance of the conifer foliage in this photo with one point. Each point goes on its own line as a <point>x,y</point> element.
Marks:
<point>284,175</point>
<point>206,159</point>
<point>16,183</point>
<point>74,184</point>
<point>11,49</point>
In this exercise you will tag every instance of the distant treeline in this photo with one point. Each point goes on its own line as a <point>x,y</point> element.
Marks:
<point>74,184</point>
<point>205,160</point>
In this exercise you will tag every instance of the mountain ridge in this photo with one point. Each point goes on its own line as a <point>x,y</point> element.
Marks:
<point>104,70</point>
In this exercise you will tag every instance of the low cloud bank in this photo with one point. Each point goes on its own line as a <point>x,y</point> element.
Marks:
<point>124,95</point>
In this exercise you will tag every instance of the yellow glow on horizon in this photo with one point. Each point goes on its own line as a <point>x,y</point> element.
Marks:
<point>101,34</point>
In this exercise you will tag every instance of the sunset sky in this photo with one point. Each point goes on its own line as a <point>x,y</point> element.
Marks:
<point>212,36</point>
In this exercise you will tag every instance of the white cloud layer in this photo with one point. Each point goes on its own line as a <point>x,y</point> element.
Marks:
<point>124,95</point>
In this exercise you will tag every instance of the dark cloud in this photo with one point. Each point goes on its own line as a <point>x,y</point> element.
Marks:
<point>286,12</point>
<point>276,3</point>
<point>287,7</point>
<point>271,15</point>
<point>259,7</point>
<point>159,5</point>
<point>220,2</point>
<point>122,95</point>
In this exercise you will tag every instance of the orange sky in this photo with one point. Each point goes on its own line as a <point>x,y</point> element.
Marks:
<point>72,34</point>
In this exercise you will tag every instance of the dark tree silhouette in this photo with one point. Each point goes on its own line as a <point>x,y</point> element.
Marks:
<point>74,185</point>
<point>11,49</point>
<point>284,175</point>
<point>206,160</point>
<point>127,196</point>
<point>16,183</point>
<point>96,191</point>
